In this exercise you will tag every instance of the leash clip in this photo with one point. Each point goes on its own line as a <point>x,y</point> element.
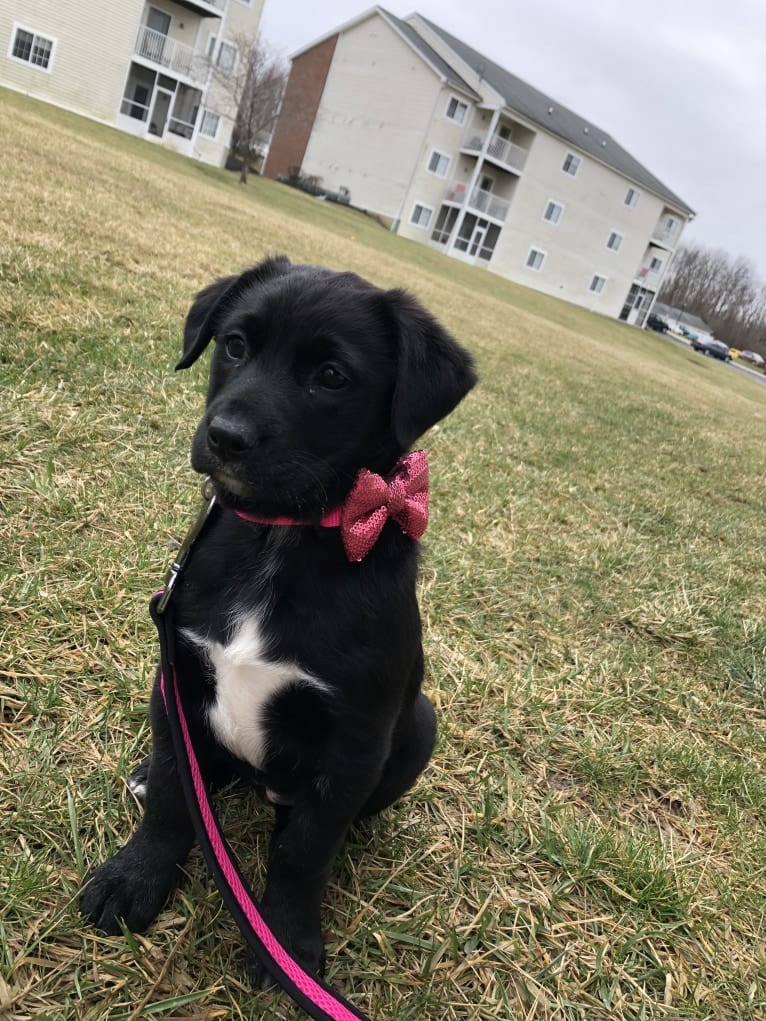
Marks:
<point>181,558</point>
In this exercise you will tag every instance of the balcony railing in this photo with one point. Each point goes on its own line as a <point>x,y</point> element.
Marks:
<point>169,53</point>
<point>501,150</point>
<point>478,200</point>
<point>665,236</point>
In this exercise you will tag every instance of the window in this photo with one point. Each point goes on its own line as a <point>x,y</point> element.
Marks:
<point>227,57</point>
<point>631,198</point>
<point>615,241</point>
<point>553,212</point>
<point>31,48</point>
<point>421,215</point>
<point>456,110</point>
<point>444,225</point>
<point>438,163</point>
<point>655,265</point>
<point>597,284</point>
<point>571,164</point>
<point>535,259</point>
<point>210,51</point>
<point>209,125</point>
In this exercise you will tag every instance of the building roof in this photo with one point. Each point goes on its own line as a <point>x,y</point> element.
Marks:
<point>553,117</point>
<point>670,312</point>
<point>430,54</point>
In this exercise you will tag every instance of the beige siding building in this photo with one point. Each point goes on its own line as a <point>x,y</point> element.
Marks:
<point>455,152</point>
<point>143,67</point>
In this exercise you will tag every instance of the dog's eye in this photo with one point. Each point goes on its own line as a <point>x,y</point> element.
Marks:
<point>331,378</point>
<point>235,347</point>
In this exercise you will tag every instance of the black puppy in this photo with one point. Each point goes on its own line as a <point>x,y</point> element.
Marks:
<point>301,668</point>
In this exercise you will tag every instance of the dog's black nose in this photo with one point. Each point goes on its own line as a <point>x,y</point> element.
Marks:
<point>228,437</point>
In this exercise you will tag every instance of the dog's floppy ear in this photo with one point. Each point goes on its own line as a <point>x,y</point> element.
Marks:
<point>203,316</point>
<point>433,372</point>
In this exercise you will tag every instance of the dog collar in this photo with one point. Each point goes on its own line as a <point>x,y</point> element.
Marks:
<point>401,495</point>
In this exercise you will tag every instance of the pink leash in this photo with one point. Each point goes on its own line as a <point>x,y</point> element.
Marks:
<point>317,998</point>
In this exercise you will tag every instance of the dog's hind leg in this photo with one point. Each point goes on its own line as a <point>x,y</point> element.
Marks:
<point>133,886</point>
<point>411,748</point>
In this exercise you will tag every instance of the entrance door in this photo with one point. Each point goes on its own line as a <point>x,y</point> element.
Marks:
<point>160,110</point>
<point>477,239</point>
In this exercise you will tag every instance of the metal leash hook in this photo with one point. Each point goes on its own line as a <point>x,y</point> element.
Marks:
<point>179,562</point>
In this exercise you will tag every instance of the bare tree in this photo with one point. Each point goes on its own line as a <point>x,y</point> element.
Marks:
<point>723,291</point>
<point>248,88</point>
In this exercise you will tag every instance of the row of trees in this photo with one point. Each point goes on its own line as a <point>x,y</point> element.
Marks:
<point>724,291</point>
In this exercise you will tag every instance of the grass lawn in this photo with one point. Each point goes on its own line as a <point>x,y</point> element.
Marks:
<point>590,839</point>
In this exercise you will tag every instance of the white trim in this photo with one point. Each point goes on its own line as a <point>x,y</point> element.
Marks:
<point>19,26</point>
<point>232,46</point>
<point>618,246</point>
<point>460,102</point>
<point>577,165</point>
<point>440,154</point>
<point>560,206</point>
<point>417,223</point>
<point>205,112</point>
<point>598,291</point>
<point>537,251</point>
<point>364,16</point>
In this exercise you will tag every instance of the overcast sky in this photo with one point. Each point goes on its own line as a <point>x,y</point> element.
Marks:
<point>680,84</point>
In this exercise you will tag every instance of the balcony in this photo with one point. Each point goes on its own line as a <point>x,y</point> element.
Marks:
<point>666,236</point>
<point>500,150</point>
<point>478,201</point>
<point>205,8</point>
<point>167,53</point>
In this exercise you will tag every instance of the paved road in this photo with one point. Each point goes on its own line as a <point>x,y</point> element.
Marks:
<point>753,374</point>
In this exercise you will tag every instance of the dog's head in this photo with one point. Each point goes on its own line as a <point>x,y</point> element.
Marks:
<point>315,375</point>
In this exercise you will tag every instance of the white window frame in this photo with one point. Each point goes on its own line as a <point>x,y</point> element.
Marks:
<point>597,290</point>
<point>441,155</point>
<point>19,26</point>
<point>537,251</point>
<point>211,113</point>
<point>577,165</point>
<point>417,223</point>
<point>560,206</point>
<point>231,46</point>
<point>618,246</point>
<point>459,103</point>
<point>632,195</point>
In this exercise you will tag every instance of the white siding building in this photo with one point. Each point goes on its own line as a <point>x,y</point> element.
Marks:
<point>457,153</point>
<point>143,67</point>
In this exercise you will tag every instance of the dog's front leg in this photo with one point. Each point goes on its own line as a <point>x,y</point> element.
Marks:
<point>305,841</point>
<point>134,884</point>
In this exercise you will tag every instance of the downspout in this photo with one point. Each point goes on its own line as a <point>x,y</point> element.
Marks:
<point>473,179</point>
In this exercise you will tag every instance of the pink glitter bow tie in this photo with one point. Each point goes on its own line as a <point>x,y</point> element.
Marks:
<point>402,495</point>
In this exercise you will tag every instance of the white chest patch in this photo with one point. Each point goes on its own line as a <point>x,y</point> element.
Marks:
<point>245,682</point>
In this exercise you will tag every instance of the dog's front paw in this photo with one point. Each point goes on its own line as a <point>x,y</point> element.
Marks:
<point>128,888</point>
<point>307,949</point>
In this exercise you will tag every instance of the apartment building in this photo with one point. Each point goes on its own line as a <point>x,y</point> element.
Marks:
<point>142,67</point>
<point>455,152</point>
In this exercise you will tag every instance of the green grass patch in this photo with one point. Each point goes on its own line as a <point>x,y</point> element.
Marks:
<point>589,841</point>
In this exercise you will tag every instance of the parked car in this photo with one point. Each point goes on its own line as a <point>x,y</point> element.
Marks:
<point>753,357</point>
<point>714,348</point>
<point>687,333</point>
<point>656,323</point>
